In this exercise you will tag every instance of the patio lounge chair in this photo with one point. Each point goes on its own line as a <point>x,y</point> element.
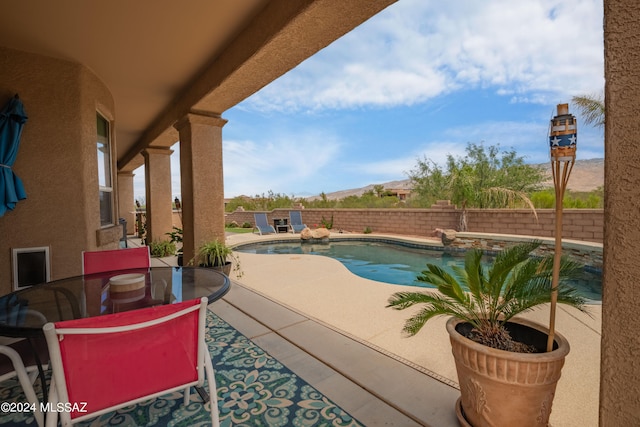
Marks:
<point>262,225</point>
<point>295,221</point>
<point>117,259</point>
<point>108,362</point>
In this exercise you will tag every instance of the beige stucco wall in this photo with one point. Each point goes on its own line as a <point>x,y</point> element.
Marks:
<point>57,161</point>
<point>620,377</point>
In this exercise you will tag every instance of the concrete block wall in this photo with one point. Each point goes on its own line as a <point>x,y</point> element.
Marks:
<point>578,224</point>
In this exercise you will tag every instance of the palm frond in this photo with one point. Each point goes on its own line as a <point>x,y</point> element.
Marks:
<point>446,283</point>
<point>402,300</point>
<point>436,305</point>
<point>501,196</point>
<point>506,261</point>
<point>475,272</point>
<point>591,108</point>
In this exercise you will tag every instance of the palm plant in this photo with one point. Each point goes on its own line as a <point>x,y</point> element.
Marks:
<point>487,298</point>
<point>216,254</point>
<point>591,107</point>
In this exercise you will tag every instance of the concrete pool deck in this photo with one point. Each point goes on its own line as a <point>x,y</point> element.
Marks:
<point>325,291</point>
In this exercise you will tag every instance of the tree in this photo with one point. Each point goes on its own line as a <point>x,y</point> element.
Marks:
<point>484,178</point>
<point>591,108</point>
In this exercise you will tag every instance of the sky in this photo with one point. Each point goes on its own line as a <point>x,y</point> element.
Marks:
<point>421,79</point>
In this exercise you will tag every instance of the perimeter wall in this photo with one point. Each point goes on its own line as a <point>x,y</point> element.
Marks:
<point>578,224</point>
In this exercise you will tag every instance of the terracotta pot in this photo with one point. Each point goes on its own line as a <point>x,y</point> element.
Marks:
<point>502,388</point>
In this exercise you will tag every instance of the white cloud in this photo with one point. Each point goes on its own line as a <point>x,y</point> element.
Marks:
<point>416,50</point>
<point>287,162</point>
<point>528,51</point>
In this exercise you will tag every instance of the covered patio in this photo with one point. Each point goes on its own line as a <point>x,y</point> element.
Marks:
<point>278,365</point>
<point>139,77</point>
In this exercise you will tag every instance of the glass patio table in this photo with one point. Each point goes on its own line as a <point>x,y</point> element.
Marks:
<point>23,313</point>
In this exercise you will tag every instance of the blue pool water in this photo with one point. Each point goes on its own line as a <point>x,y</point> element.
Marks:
<point>394,263</point>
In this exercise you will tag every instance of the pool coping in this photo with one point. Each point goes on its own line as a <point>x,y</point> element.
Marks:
<point>433,244</point>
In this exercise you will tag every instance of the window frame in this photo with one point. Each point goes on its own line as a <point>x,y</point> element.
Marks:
<point>105,170</point>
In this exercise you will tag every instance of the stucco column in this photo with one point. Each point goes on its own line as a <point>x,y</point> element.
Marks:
<point>126,202</point>
<point>202,180</point>
<point>157,172</point>
<point>620,368</point>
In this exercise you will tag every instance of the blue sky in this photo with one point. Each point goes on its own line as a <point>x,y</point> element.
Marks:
<point>420,79</point>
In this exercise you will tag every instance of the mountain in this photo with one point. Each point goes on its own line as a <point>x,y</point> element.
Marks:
<point>587,175</point>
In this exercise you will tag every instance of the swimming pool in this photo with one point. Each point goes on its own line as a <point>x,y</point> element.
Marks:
<point>394,263</point>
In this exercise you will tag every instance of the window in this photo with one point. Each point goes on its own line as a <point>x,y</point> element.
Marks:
<point>104,172</point>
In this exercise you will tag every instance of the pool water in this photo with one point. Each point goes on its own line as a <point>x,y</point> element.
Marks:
<point>395,263</point>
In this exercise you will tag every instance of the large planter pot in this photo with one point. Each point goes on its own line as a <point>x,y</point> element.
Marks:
<point>226,268</point>
<point>502,388</point>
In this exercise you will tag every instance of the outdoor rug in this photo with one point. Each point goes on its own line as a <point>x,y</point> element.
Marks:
<point>254,389</point>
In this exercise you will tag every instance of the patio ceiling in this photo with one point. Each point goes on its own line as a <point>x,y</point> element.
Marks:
<point>162,59</point>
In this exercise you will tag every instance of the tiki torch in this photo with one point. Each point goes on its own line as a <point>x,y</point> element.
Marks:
<point>562,140</point>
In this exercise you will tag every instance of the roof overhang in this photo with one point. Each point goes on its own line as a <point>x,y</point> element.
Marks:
<point>163,59</point>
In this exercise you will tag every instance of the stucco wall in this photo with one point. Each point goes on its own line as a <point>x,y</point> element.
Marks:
<point>57,160</point>
<point>620,370</point>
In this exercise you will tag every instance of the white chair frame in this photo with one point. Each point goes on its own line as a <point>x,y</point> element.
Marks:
<point>26,377</point>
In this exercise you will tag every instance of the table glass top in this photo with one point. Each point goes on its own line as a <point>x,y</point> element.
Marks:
<point>24,312</point>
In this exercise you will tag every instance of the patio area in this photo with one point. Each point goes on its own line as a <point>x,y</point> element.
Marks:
<point>327,293</point>
<point>279,366</point>
<point>342,354</point>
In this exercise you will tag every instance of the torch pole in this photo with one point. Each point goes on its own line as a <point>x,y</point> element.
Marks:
<point>563,142</point>
<point>561,171</point>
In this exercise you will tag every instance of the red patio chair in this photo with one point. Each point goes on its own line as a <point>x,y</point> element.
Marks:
<point>120,359</point>
<point>118,259</point>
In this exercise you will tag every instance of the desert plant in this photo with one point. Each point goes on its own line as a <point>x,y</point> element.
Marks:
<point>176,237</point>
<point>328,224</point>
<point>488,298</point>
<point>367,230</point>
<point>216,254</point>
<point>484,178</point>
<point>162,249</point>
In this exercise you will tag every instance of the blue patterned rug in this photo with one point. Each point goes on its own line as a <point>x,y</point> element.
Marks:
<point>254,389</point>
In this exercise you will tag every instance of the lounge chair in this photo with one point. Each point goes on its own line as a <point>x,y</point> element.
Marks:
<point>262,225</point>
<point>295,221</point>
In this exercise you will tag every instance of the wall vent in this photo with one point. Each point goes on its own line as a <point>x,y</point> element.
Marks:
<point>30,266</point>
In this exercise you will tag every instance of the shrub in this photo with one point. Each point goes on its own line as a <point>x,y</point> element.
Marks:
<point>247,225</point>
<point>328,224</point>
<point>162,249</point>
